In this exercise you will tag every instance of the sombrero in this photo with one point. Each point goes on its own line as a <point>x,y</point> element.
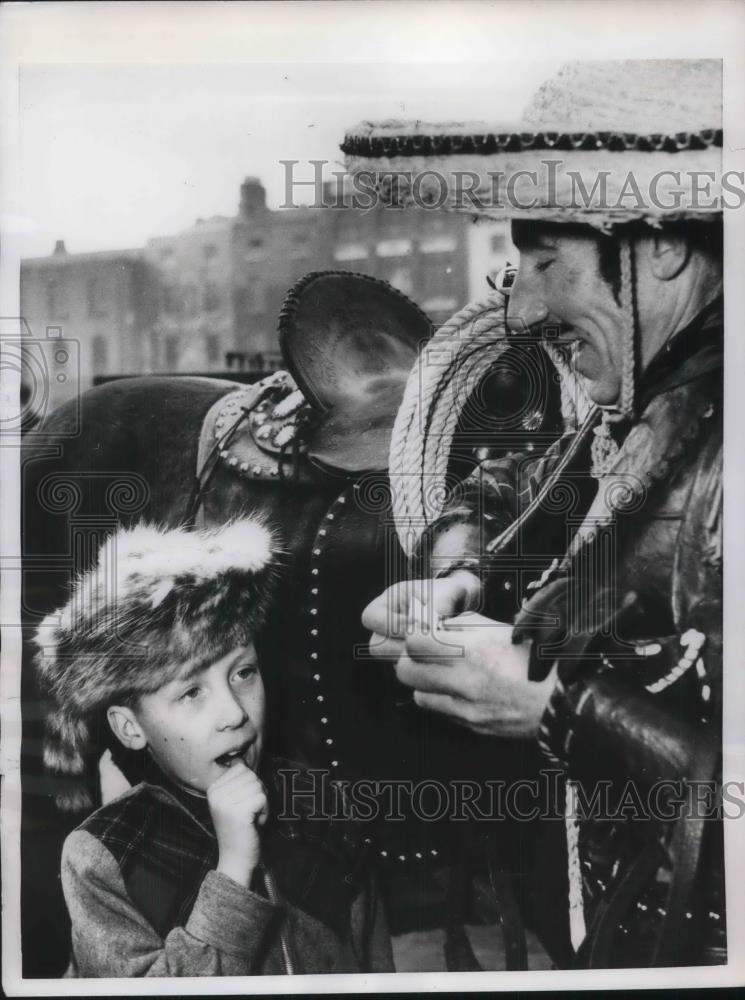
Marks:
<point>602,143</point>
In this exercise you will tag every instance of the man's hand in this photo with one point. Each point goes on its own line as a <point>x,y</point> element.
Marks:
<point>389,617</point>
<point>470,671</point>
<point>237,803</point>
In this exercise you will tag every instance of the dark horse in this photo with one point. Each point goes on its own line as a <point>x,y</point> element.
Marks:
<point>128,451</point>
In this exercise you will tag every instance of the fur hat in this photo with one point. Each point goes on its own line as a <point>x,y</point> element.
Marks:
<point>604,142</point>
<point>155,600</point>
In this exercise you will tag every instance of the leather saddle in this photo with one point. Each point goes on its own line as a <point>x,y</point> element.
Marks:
<point>348,342</point>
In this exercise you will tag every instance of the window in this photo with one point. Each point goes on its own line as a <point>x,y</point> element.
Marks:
<point>438,244</point>
<point>212,348</point>
<point>100,354</point>
<point>171,353</point>
<point>440,303</point>
<point>350,251</point>
<point>393,248</point>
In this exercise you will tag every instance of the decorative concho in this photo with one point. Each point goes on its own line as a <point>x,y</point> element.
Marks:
<point>275,409</point>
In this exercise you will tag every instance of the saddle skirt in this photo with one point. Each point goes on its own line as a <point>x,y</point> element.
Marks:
<point>256,430</point>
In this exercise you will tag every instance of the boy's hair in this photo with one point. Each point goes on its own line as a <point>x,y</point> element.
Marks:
<point>155,600</point>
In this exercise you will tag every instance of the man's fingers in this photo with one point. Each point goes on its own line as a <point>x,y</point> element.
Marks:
<point>449,638</point>
<point>444,704</point>
<point>385,647</point>
<point>433,677</point>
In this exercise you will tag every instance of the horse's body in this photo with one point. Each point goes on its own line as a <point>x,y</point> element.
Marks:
<point>127,452</point>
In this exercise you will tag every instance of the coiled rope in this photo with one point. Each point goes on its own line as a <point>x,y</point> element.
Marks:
<point>448,370</point>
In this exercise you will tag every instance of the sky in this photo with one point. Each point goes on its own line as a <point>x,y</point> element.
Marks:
<point>123,121</point>
<point>112,155</point>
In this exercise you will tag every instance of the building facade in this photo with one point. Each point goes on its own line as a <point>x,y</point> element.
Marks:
<point>207,299</point>
<point>105,302</point>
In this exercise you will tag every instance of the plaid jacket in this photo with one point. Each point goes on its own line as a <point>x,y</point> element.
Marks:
<point>144,898</point>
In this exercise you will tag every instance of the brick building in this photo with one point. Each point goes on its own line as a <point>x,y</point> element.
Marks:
<point>105,301</point>
<point>206,297</point>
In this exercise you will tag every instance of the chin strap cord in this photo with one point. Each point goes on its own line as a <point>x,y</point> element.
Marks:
<point>628,305</point>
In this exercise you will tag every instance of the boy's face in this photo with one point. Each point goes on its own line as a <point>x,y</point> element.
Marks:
<point>201,722</point>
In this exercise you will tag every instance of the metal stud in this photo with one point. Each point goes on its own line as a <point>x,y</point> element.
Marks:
<point>244,466</point>
<point>322,532</point>
<point>314,571</point>
<point>257,470</point>
<point>706,692</point>
<point>319,698</point>
<point>316,552</point>
<point>314,590</point>
<point>316,677</point>
<point>314,632</point>
<point>329,516</point>
<point>324,721</point>
<point>314,656</point>
<point>334,763</point>
<point>232,460</point>
<point>329,742</point>
<point>402,857</point>
<point>384,854</point>
<point>342,499</point>
<point>314,611</point>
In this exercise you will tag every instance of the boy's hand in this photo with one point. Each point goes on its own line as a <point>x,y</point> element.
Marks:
<point>238,806</point>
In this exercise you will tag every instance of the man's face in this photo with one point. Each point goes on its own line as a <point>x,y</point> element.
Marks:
<point>198,724</point>
<point>559,283</point>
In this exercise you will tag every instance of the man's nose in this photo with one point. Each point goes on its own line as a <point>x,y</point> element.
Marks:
<point>525,308</point>
<point>230,711</point>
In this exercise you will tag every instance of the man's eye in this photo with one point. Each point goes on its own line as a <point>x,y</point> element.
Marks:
<point>245,673</point>
<point>544,265</point>
<point>191,694</point>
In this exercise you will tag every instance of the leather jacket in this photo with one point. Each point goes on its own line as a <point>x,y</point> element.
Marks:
<point>629,605</point>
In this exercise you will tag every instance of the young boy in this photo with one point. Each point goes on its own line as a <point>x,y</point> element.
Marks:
<point>189,872</point>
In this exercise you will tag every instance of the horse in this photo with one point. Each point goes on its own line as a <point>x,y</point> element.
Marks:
<point>308,448</point>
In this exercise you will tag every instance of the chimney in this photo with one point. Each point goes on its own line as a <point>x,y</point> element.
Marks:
<point>253,197</point>
<point>59,247</point>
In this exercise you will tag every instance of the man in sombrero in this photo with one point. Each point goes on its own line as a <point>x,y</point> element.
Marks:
<point>613,663</point>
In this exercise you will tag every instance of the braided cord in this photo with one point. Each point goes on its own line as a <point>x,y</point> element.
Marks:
<point>627,298</point>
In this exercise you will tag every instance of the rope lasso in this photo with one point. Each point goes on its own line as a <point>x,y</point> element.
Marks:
<point>464,347</point>
<point>449,369</point>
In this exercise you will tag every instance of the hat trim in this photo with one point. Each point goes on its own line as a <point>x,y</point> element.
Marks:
<point>478,143</point>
